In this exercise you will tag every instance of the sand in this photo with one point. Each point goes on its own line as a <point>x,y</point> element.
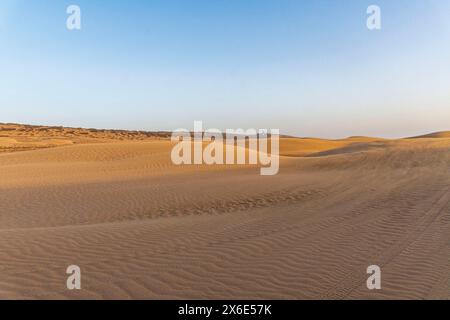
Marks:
<point>142,228</point>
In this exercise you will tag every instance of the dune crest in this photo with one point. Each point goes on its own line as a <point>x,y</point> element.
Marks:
<point>434,135</point>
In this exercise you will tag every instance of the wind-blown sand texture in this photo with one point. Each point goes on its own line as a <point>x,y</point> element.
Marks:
<point>142,228</point>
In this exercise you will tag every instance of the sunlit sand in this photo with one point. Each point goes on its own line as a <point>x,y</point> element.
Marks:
<point>140,227</point>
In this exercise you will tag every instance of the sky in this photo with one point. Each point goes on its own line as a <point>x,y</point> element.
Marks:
<point>308,68</point>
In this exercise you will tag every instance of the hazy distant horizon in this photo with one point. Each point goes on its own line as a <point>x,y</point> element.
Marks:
<point>222,129</point>
<point>307,68</point>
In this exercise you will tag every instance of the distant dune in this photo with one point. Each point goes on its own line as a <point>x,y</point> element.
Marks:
<point>442,134</point>
<point>19,137</point>
<point>139,227</point>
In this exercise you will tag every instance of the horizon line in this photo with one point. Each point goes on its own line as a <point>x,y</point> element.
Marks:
<point>424,135</point>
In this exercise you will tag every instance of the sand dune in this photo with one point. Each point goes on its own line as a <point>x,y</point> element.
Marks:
<point>19,137</point>
<point>438,135</point>
<point>142,228</point>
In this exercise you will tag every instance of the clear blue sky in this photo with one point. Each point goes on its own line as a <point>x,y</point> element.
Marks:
<point>309,68</point>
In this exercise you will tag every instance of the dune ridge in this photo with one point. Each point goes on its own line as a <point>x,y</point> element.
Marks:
<point>434,135</point>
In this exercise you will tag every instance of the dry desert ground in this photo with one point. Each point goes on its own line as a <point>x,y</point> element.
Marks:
<point>140,227</point>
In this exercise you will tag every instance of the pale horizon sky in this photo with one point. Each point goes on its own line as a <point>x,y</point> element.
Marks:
<point>308,68</point>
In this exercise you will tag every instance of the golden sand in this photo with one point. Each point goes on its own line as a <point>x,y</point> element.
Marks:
<point>139,227</point>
